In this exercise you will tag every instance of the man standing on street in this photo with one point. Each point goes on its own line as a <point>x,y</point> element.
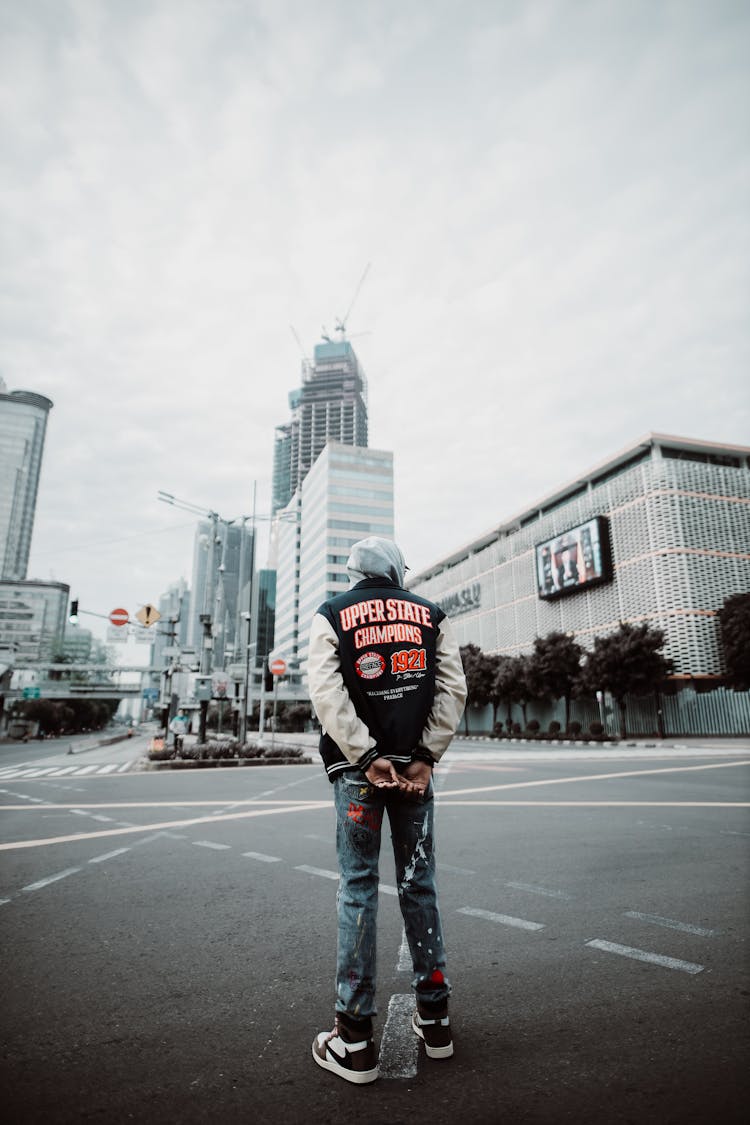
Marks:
<point>387,685</point>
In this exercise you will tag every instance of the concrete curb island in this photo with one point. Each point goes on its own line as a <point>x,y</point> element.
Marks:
<point>220,763</point>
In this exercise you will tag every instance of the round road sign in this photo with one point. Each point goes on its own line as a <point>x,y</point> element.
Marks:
<point>119,617</point>
<point>278,667</point>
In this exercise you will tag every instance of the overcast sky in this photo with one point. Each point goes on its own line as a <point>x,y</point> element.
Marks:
<point>553,195</point>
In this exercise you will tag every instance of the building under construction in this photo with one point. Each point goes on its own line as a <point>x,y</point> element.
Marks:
<point>331,405</point>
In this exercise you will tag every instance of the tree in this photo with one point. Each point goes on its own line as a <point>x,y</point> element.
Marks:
<point>511,683</point>
<point>734,628</point>
<point>479,670</point>
<point>44,712</point>
<point>555,666</point>
<point>628,662</point>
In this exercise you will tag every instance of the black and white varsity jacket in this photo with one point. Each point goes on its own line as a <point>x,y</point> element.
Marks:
<point>385,677</point>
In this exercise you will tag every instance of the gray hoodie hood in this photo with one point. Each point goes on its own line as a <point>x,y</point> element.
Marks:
<point>376,558</point>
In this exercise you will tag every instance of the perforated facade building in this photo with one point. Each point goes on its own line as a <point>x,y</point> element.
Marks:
<point>678,516</point>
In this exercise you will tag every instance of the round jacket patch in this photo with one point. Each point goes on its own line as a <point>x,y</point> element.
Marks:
<point>370,665</point>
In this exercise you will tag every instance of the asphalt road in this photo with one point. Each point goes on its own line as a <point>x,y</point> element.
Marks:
<point>168,943</point>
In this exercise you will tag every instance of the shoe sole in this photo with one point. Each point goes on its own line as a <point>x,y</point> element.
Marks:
<point>358,1077</point>
<point>432,1052</point>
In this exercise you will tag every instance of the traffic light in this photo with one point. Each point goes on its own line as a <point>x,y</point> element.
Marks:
<point>73,615</point>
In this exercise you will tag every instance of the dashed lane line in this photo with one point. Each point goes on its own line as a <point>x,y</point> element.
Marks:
<point>455,870</point>
<point>263,858</point>
<point>501,919</point>
<point>643,955</point>
<point>384,888</point>
<point>544,891</point>
<point>404,965</point>
<point>51,879</point>
<point>109,855</point>
<point>318,871</point>
<point>670,923</point>
<point>399,1046</point>
<point>211,844</point>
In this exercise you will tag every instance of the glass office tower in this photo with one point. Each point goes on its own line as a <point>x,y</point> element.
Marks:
<point>23,424</point>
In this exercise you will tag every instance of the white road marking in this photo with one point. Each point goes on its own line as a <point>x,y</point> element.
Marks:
<point>404,965</point>
<point>79,812</point>
<point>108,769</point>
<point>386,890</point>
<point>502,919</point>
<point>40,772</point>
<point>399,1046</point>
<point>593,777</point>
<point>539,890</point>
<point>66,769</point>
<point>318,871</point>
<point>670,923</point>
<point>107,818</point>
<point>3,901</point>
<point>295,809</point>
<point>642,955</point>
<point>455,870</point>
<point>51,879</point>
<point>210,844</point>
<point>86,769</point>
<point>125,767</point>
<point>109,855</point>
<point>263,858</point>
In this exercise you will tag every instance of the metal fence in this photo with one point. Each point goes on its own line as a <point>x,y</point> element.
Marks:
<point>718,712</point>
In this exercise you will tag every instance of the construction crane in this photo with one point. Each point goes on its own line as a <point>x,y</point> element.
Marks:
<point>342,322</point>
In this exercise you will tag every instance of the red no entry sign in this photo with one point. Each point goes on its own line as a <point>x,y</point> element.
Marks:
<point>278,667</point>
<point>119,617</point>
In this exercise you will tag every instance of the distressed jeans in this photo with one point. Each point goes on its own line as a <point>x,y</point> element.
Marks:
<point>359,817</point>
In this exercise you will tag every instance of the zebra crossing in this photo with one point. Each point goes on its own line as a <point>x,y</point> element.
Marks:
<point>26,772</point>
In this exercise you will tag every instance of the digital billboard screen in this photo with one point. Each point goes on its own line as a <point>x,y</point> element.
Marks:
<point>576,559</point>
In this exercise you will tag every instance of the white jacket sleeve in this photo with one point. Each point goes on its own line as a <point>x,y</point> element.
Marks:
<point>329,695</point>
<point>450,694</point>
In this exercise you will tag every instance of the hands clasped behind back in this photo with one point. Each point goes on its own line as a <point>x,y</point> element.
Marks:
<point>414,779</point>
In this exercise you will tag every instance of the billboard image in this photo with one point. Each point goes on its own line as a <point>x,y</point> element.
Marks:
<point>577,558</point>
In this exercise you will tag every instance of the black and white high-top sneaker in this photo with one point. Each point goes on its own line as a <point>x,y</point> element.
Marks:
<point>340,1051</point>
<point>434,1027</point>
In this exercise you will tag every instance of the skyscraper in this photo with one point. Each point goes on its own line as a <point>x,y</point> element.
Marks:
<point>222,567</point>
<point>23,424</point>
<point>331,405</point>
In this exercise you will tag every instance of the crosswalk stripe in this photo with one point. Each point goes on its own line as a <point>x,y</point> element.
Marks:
<point>30,773</point>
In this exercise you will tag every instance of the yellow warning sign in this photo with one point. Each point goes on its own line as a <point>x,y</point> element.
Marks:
<point>148,615</point>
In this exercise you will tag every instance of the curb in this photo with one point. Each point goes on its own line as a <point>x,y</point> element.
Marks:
<point>221,763</point>
<point>97,745</point>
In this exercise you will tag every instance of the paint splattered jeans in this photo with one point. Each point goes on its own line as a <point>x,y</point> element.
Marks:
<point>359,817</point>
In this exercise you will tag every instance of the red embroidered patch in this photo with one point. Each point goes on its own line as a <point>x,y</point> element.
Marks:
<point>370,818</point>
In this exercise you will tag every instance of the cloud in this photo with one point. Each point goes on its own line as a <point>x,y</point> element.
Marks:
<point>553,198</point>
